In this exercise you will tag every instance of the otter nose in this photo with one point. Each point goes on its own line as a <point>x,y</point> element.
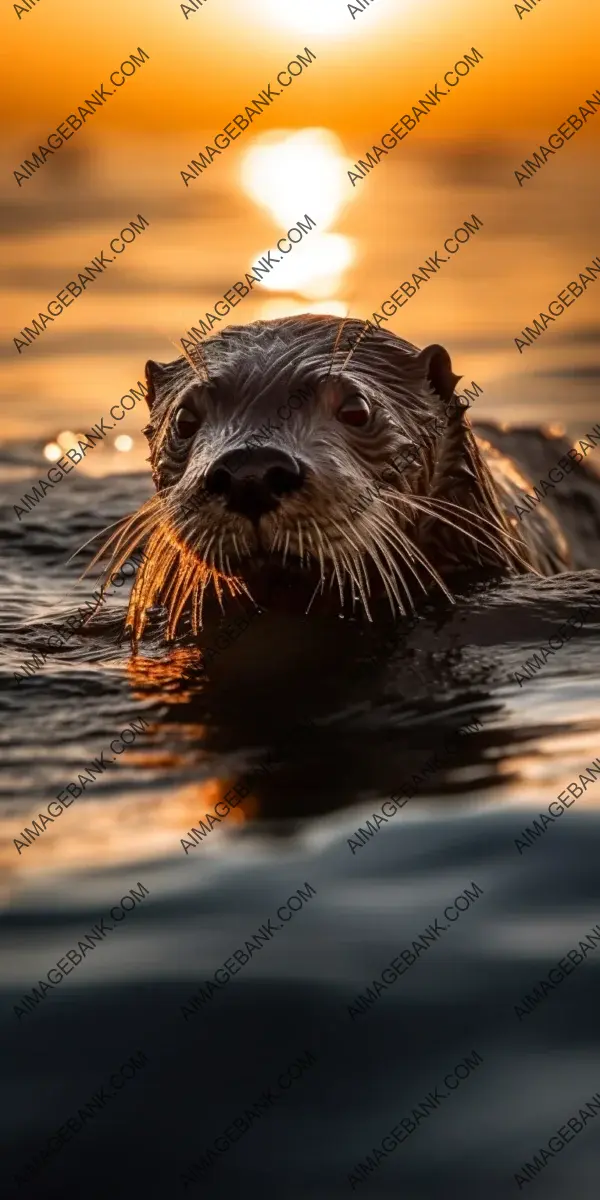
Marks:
<point>253,481</point>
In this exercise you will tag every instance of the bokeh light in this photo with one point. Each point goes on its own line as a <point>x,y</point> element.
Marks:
<point>66,439</point>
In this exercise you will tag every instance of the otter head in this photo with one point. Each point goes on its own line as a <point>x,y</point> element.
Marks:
<point>281,454</point>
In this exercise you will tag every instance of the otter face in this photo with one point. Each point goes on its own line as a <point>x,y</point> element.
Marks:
<point>277,457</point>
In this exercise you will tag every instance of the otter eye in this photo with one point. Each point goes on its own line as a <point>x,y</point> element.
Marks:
<point>354,411</point>
<point>186,422</point>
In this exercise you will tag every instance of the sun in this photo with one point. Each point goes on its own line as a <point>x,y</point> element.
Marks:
<point>311,16</point>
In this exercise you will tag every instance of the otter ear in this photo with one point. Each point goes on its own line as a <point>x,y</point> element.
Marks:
<point>156,375</point>
<point>438,369</point>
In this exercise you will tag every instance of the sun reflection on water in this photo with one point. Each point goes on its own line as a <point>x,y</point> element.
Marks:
<point>317,270</point>
<point>277,170</point>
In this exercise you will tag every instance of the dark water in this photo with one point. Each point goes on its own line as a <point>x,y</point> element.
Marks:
<point>342,718</point>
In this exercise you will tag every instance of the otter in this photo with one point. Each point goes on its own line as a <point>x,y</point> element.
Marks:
<point>264,446</point>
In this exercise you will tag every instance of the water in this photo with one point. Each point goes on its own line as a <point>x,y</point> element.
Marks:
<point>325,732</point>
<point>339,722</point>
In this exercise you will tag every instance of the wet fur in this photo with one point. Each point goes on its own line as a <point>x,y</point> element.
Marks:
<point>446,515</point>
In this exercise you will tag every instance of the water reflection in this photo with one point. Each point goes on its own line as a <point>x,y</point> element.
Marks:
<point>322,721</point>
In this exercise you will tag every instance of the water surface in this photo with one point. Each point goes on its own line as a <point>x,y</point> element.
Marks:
<point>342,720</point>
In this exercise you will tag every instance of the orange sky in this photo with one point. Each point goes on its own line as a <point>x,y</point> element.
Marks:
<point>203,68</point>
<point>368,72</point>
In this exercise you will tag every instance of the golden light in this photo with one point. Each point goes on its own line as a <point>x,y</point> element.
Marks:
<point>316,16</point>
<point>315,268</point>
<point>52,451</point>
<point>123,442</point>
<point>297,173</point>
<point>293,174</point>
<point>66,439</point>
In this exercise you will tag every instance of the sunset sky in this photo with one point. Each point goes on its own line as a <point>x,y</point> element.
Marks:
<point>202,68</point>
<point>368,72</point>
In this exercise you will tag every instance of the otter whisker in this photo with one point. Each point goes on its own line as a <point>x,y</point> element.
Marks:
<point>336,343</point>
<point>307,609</point>
<point>184,590</point>
<point>395,532</point>
<point>206,550</point>
<point>121,552</point>
<point>93,539</point>
<point>320,553</point>
<point>198,605</point>
<point>348,570</point>
<point>362,572</point>
<point>487,545</point>
<point>99,534</point>
<point>137,528</point>
<point>394,567</point>
<point>119,558</point>
<point>300,544</point>
<point>460,508</point>
<point>404,548</point>
<point>337,571</point>
<point>392,537</point>
<point>219,592</point>
<point>149,505</point>
<point>245,547</point>
<point>148,513</point>
<point>353,571</point>
<point>310,550</point>
<point>449,504</point>
<point>361,566</point>
<point>363,584</point>
<point>494,545</point>
<point>181,576</point>
<point>155,569</point>
<point>194,365</point>
<point>172,587</point>
<point>387,579</point>
<point>355,346</point>
<point>508,554</point>
<point>387,583</point>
